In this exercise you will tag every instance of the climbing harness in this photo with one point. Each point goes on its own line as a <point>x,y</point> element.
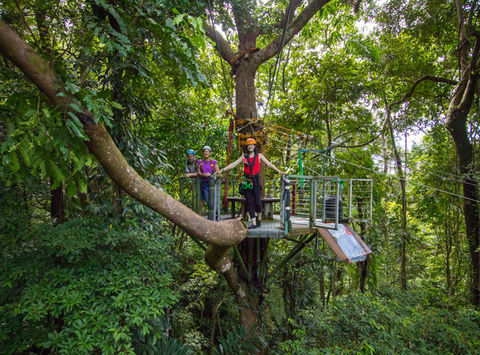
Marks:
<point>211,165</point>
<point>247,184</point>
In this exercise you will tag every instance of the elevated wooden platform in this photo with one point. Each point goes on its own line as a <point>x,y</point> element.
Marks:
<point>344,241</point>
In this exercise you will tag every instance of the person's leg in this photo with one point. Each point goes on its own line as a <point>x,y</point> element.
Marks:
<point>250,205</point>
<point>257,195</point>
<point>203,195</point>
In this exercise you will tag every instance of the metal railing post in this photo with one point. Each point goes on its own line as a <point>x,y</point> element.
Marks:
<point>324,200</point>
<point>285,206</point>
<point>314,204</point>
<point>198,200</point>
<point>211,198</point>
<point>219,200</point>
<point>337,202</point>
<point>312,201</point>
<point>350,200</point>
<point>371,199</point>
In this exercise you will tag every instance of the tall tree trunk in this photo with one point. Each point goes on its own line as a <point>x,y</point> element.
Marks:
<point>245,64</point>
<point>448,254</point>
<point>403,242</point>
<point>57,203</point>
<point>363,265</point>
<point>386,159</point>
<point>470,194</point>
<point>456,123</point>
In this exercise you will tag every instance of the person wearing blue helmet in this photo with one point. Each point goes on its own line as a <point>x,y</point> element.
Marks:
<point>191,164</point>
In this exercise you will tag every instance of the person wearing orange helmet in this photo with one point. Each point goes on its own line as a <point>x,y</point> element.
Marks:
<point>251,182</point>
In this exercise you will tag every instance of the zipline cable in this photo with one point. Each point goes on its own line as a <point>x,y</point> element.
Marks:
<point>451,177</point>
<point>293,150</point>
<point>379,160</point>
<point>406,180</point>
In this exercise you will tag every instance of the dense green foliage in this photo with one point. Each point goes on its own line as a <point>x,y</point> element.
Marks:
<point>109,275</point>
<point>85,285</point>
<point>386,322</point>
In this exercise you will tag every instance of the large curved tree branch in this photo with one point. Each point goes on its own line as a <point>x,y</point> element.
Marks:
<point>222,234</point>
<point>410,92</point>
<point>295,4</point>
<point>245,22</point>
<point>221,43</point>
<point>473,77</point>
<point>293,28</point>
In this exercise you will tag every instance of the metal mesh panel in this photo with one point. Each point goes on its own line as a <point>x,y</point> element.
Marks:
<point>328,208</point>
<point>360,195</point>
<point>300,196</point>
<point>189,192</point>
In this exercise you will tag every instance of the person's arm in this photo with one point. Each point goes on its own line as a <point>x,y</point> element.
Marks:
<point>217,169</point>
<point>231,165</point>
<point>188,173</point>
<point>202,174</point>
<point>270,165</point>
<point>199,173</point>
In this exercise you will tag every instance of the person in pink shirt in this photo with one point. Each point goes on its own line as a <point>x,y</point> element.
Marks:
<point>206,167</point>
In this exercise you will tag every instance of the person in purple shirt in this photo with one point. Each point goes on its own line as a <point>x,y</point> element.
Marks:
<point>205,168</point>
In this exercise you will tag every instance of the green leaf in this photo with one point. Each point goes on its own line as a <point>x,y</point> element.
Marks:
<point>178,19</point>
<point>116,105</point>
<point>76,127</point>
<point>82,186</point>
<point>75,107</point>
<point>13,161</point>
<point>71,188</point>
<point>54,171</point>
<point>25,155</point>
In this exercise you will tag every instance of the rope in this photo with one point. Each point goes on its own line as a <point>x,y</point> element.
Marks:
<point>447,176</point>
<point>227,87</point>
<point>241,54</point>
<point>229,155</point>
<point>273,82</point>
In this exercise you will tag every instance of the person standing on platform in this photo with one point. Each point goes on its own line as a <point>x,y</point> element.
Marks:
<point>191,164</point>
<point>250,186</point>
<point>205,169</point>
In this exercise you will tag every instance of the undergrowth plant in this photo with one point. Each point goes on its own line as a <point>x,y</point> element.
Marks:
<point>93,284</point>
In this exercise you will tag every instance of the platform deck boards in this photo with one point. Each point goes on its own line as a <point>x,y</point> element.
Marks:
<point>272,228</point>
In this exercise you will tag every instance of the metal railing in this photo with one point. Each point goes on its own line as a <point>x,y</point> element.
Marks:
<point>360,200</point>
<point>320,200</point>
<point>190,195</point>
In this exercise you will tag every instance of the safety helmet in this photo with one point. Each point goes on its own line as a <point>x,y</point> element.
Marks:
<point>250,141</point>
<point>206,147</point>
<point>190,151</point>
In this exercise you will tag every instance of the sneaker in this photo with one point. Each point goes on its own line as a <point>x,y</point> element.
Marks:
<point>252,226</point>
<point>259,223</point>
